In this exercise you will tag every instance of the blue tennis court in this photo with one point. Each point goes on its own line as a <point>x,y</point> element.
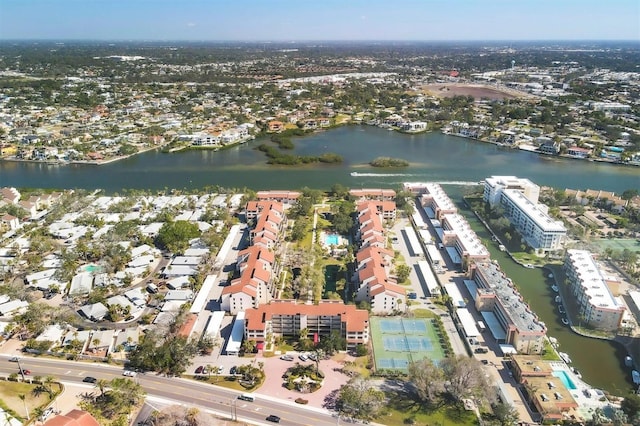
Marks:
<point>402,326</point>
<point>406,344</point>
<point>393,363</point>
<point>398,341</point>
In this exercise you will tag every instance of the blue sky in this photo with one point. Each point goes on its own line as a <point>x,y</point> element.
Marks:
<point>295,20</point>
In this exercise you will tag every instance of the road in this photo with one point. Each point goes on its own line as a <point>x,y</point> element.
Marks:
<point>192,393</point>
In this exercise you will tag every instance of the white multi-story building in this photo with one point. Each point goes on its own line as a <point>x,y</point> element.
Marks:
<point>519,198</point>
<point>494,186</point>
<point>597,305</point>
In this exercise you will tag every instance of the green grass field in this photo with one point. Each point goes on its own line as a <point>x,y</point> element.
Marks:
<point>618,244</point>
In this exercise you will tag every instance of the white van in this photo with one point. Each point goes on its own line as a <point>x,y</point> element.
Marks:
<point>246,397</point>
<point>152,288</point>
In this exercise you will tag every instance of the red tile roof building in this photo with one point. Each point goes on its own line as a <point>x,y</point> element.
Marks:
<point>287,318</point>
<point>73,418</point>
<point>374,261</point>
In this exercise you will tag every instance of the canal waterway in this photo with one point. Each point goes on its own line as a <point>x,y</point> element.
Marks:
<point>449,160</point>
<point>433,157</point>
<point>600,362</point>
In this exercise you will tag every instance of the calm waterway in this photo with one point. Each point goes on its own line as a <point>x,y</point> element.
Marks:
<point>433,157</point>
<point>449,160</point>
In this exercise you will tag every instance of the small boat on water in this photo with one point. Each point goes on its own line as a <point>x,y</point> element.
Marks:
<point>558,299</point>
<point>529,266</point>
<point>565,357</point>
<point>565,321</point>
<point>576,372</point>
<point>553,340</point>
<point>502,247</point>
<point>635,376</point>
<point>555,288</point>
<point>628,361</point>
<point>550,276</point>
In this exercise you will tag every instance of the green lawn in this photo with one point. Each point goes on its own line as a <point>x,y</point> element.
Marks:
<point>400,409</point>
<point>10,401</point>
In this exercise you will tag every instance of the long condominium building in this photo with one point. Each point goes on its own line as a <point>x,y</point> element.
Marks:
<point>496,293</point>
<point>597,305</point>
<point>519,198</point>
<point>288,318</point>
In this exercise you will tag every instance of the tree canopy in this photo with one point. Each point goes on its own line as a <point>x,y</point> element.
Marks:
<point>175,236</point>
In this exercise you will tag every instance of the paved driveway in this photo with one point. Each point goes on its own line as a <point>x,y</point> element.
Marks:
<point>275,367</point>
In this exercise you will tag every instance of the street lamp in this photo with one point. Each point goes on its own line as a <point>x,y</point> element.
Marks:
<point>21,370</point>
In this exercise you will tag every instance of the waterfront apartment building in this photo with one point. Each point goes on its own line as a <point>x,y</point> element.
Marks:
<point>456,232</point>
<point>434,200</point>
<point>494,186</point>
<point>497,294</point>
<point>287,318</point>
<point>599,308</point>
<point>519,199</point>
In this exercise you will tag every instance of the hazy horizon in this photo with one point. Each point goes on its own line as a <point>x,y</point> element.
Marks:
<point>330,20</point>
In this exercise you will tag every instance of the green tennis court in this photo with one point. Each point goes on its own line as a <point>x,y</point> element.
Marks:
<point>400,341</point>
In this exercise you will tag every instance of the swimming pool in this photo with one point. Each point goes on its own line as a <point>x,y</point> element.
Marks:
<point>332,239</point>
<point>565,379</point>
<point>92,268</point>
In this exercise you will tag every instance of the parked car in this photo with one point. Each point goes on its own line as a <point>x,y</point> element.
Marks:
<point>46,413</point>
<point>233,370</point>
<point>14,359</point>
<point>201,370</point>
<point>313,357</point>
<point>286,358</point>
<point>303,357</point>
<point>481,350</point>
<point>26,372</point>
<point>90,379</point>
<point>273,418</point>
<point>129,373</point>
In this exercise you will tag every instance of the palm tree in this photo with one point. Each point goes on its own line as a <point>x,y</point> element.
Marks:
<point>48,385</point>
<point>24,401</point>
<point>102,385</point>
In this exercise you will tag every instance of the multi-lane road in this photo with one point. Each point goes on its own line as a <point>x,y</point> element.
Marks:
<point>183,391</point>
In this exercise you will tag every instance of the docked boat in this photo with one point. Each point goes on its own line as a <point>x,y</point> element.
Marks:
<point>635,376</point>
<point>555,288</point>
<point>502,247</point>
<point>550,276</point>
<point>529,266</point>
<point>628,361</point>
<point>565,357</point>
<point>553,341</point>
<point>565,321</point>
<point>558,299</point>
<point>561,309</point>
<point>576,372</point>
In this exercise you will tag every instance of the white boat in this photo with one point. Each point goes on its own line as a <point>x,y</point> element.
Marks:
<point>529,266</point>
<point>558,299</point>
<point>565,357</point>
<point>576,372</point>
<point>550,276</point>
<point>628,361</point>
<point>565,321</point>
<point>502,248</point>
<point>635,376</point>
<point>555,288</point>
<point>553,340</point>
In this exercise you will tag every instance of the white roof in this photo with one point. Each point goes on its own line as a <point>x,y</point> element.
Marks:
<point>139,261</point>
<point>140,250</point>
<point>237,334</point>
<point>175,270</point>
<point>214,324</point>
<point>456,296</point>
<point>178,282</point>
<point>540,218</point>
<point>591,281</point>
<point>201,299</point>
<point>186,260</point>
<point>467,238</point>
<point>468,323</point>
<point>179,295</point>
<point>38,276</point>
<point>12,306</point>
<point>52,333</point>
<point>81,283</point>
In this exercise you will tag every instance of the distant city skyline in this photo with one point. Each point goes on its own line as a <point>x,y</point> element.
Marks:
<point>300,20</point>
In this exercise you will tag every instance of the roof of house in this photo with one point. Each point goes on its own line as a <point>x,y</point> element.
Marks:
<point>73,418</point>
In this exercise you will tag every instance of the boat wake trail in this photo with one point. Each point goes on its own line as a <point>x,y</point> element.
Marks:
<point>459,182</point>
